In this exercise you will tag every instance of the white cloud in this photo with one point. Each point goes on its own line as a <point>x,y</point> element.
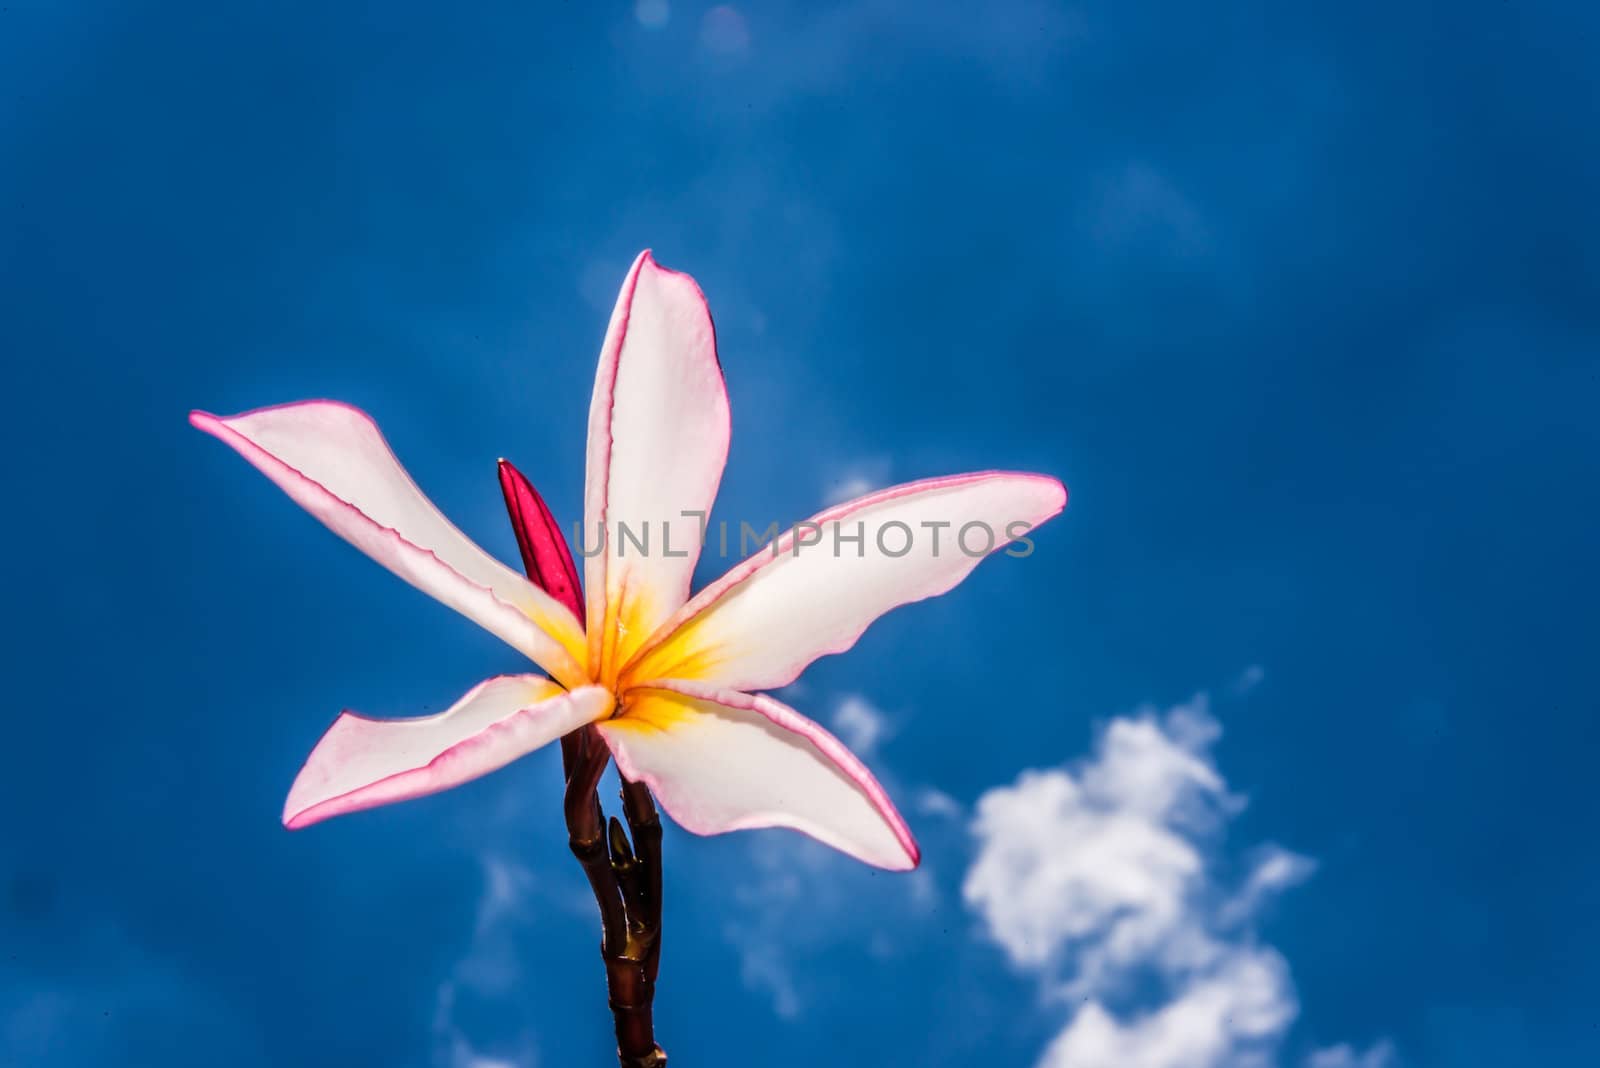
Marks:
<point>490,966</point>
<point>652,13</point>
<point>856,480</point>
<point>600,280</point>
<point>765,967</point>
<point>823,46</point>
<point>1104,879</point>
<point>1138,207</point>
<point>931,801</point>
<point>1227,1015</point>
<point>452,1048</point>
<point>505,884</point>
<point>1275,870</point>
<point>797,902</point>
<point>724,31</point>
<point>1379,1055</point>
<point>1103,862</point>
<point>859,724</point>
<point>785,879</point>
<point>1249,679</point>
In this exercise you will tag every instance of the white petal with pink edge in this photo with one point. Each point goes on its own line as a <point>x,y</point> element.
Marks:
<point>719,760</point>
<point>658,439</point>
<point>362,763</point>
<point>334,462</point>
<point>822,583</point>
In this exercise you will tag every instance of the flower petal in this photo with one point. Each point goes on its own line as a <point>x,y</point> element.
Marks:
<point>333,461</point>
<point>658,439</point>
<point>362,762</point>
<point>719,760</point>
<point>545,554</point>
<point>816,588</point>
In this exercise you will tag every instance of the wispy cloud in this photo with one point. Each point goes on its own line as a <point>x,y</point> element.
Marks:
<point>818,50</point>
<point>1249,679</point>
<point>1139,207</point>
<point>797,900</point>
<point>931,801</point>
<point>1228,1014</point>
<point>855,480</point>
<point>859,724</point>
<point>1275,869</point>
<point>785,877</point>
<point>452,1048</point>
<point>1379,1055</point>
<point>1104,879</point>
<point>490,967</point>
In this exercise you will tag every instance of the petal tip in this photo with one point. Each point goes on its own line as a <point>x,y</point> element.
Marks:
<point>648,259</point>
<point>1053,492</point>
<point>1062,494</point>
<point>910,857</point>
<point>298,817</point>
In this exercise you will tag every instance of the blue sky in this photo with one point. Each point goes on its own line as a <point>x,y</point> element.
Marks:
<point>1301,304</point>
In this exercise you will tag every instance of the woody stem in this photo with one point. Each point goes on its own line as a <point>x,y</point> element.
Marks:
<point>626,881</point>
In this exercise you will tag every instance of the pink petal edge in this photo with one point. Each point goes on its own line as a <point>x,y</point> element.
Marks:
<point>597,491</point>
<point>503,741</point>
<point>744,569</point>
<point>786,718</point>
<point>509,619</point>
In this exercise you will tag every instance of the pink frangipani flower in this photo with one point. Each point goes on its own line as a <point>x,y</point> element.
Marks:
<point>671,683</point>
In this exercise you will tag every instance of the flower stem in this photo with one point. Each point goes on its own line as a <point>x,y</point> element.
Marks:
<point>626,881</point>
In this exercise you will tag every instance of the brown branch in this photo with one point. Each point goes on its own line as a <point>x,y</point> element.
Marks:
<point>586,836</point>
<point>640,809</point>
<point>626,880</point>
